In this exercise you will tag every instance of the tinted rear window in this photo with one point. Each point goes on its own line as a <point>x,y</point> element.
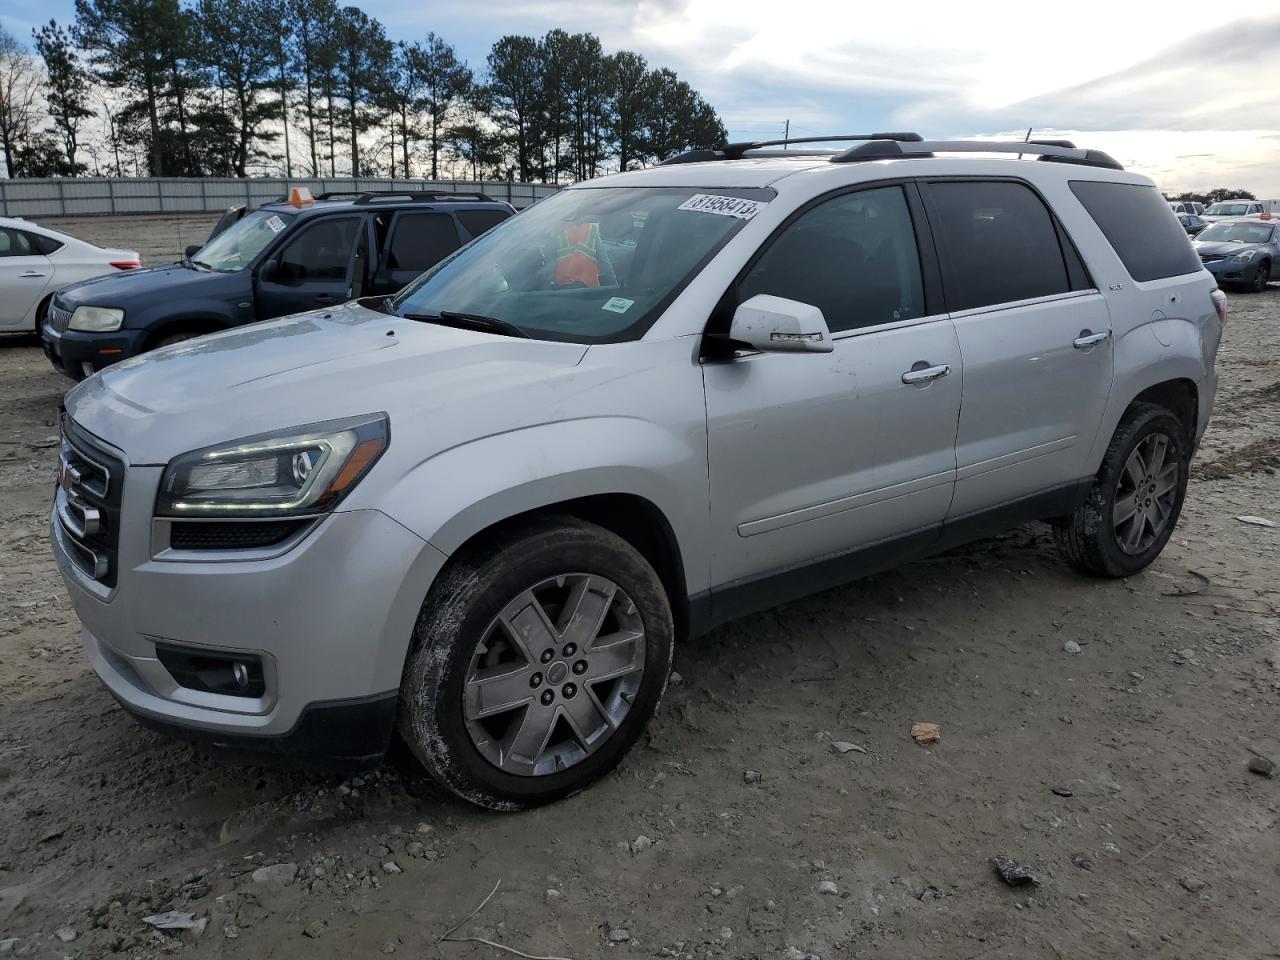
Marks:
<point>1137,222</point>
<point>476,222</point>
<point>421,240</point>
<point>999,244</point>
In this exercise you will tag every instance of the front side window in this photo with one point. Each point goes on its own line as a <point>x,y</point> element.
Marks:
<point>421,240</point>
<point>322,251</point>
<point>998,244</point>
<point>235,248</point>
<point>587,265</point>
<point>853,257</point>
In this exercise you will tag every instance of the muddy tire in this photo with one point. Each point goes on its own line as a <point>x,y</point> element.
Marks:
<point>537,661</point>
<point>1135,501</point>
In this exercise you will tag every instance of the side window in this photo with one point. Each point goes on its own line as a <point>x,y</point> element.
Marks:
<point>421,240</point>
<point>998,243</point>
<point>14,243</point>
<point>1149,242</point>
<point>854,257</point>
<point>42,244</point>
<point>322,250</point>
<point>476,222</point>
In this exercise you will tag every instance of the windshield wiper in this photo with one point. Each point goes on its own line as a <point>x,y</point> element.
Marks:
<point>201,263</point>
<point>470,321</point>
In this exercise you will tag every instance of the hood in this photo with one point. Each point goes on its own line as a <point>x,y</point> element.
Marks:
<point>129,288</point>
<point>311,367</point>
<point>1222,247</point>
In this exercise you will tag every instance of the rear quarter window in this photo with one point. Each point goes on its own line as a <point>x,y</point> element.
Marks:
<point>1140,227</point>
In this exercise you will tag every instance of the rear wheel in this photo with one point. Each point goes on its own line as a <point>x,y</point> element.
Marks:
<point>1136,498</point>
<point>537,664</point>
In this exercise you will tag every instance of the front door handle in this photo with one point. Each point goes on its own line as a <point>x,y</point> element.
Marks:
<point>921,372</point>
<point>33,274</point>
<point>325,298</point>
<point>1088,339</point>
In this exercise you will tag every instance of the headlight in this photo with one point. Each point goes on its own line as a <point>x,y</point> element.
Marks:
<point>292,473</point>
<point>1245,256</point>
<point>96,319</point>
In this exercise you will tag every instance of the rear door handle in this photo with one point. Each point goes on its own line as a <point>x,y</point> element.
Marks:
<point>1088,339</point>
<point>921,372</point>
<point>34,274</point>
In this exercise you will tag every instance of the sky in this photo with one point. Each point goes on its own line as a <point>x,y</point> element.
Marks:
<point>1181,91</point>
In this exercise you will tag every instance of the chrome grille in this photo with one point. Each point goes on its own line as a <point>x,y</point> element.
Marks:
<point>59,319</point>
<point>1209,257</point>
<point>87,502</point>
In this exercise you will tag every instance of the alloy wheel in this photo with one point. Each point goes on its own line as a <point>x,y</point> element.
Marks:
<point>1145,495</point>
<point>554,674</point>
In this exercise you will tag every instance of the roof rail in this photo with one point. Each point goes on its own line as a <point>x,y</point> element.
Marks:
<point>1060,151</point>
<point>418,196</point>
<point>736,151</point>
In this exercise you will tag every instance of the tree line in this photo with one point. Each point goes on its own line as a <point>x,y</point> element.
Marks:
<point>306,87</point>
<point>1214,196</point>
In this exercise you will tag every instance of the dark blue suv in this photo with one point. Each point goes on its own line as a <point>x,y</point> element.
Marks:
<point>282,258</point>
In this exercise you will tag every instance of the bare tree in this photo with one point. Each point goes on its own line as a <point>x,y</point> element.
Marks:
<point>19,100</point>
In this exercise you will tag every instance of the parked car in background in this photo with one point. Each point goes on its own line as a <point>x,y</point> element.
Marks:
<point>1191,223</point>
<point>35,261</point>
<point>1186,206</point>
<point>281,258</point>
<point>486,510</point>
<point>1241,253</point>
<point>1226,209</point>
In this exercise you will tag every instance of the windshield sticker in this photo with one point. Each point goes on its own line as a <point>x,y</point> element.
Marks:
<point>617,305</point>
<point>724,206</point>
<point>276,224</point>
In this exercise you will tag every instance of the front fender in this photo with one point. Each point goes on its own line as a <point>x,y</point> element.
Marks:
<point>452,496</point>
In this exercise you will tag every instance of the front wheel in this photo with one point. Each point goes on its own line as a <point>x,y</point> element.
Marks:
<point>1136,498</point>
<point>537,663</point>
<point>1262,277</point>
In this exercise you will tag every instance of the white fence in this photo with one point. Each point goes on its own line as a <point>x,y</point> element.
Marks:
<point>102,196</point>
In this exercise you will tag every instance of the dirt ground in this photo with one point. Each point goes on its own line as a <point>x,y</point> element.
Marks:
<point>1165,845</point>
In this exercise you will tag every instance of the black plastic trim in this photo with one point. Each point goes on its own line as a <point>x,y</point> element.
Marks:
<point>335,736</point>
<point>729,601</point>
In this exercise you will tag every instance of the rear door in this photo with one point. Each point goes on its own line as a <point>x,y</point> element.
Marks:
<point>1036,339</point>
<point>313,267</point>
<point>25,275</point>
<point>817,455</point>
<point>416,241</point>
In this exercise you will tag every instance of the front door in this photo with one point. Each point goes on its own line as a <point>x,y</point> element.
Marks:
<point>25,274</point>
<point>1036,340</point>
<point>817,455</point>
<point>313,268</point>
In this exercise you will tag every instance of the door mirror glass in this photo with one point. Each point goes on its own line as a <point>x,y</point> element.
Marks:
<point>776,324</point>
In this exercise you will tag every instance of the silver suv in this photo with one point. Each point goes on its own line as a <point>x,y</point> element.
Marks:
<point>483,511</point>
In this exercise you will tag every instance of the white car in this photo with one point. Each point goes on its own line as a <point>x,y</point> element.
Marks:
<point>36,262</point>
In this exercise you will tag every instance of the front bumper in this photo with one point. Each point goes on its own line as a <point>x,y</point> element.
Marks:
<point>329,620</point>
<point>1232,271</point>
<point>77,354</point>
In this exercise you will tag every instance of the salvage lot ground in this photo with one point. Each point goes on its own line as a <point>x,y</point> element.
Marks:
<point>1167,845</point>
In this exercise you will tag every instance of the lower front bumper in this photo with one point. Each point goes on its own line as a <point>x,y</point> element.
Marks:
<point>1229,271</point>
<point>341,736</point>
<point>78,355</point>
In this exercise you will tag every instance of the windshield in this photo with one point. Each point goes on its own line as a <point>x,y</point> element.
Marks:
<point>1240,232</point>
<point>588,265</point>
<point>235,247</point>
<point>1228,210</point>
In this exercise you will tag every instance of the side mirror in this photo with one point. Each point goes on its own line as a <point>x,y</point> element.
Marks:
<point>191,250</point>
<point>269,272</point>
<point>776,325</point>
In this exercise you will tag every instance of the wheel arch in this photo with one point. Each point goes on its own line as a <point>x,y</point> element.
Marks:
<point>193,323</point>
